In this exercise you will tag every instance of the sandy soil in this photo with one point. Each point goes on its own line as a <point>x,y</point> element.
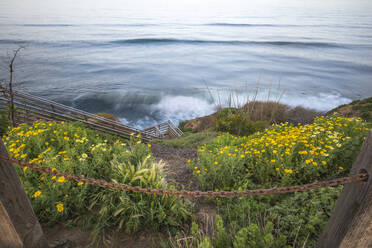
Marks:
<point>176,164</point>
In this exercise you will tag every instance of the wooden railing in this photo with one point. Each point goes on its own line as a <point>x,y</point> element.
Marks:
<point>162,130</point>
<point>31,108</point>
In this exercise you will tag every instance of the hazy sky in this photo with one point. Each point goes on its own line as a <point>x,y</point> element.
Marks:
<point>26,11</point>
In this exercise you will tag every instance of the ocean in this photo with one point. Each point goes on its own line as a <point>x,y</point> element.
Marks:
<point>149,61</point>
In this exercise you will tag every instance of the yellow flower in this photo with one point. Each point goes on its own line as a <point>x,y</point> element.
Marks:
<point>33,160</point>
<point>66,195</point>
<point>53,177</point>
<point>61,179</point>
<point>315,163</point>
<point>242,156</point>
<point>37,194</point>
<point>60,207</point>
<point>289,171</point>
<point>216,162</point>
<point>198,171</point>
<point>277,169</point>
<point>188,161</point>
<point>53,169</point>
<point>341,168</point>
<point>47,143</point>
<point>273,160</point>
<point>80,183</point>
<point>149,145</point>
<point>84,155</point>
<point>25,168</point>
<point>66,138</point>
<point>324,162</point>
<point>42,178</point>
<point>196,167</point>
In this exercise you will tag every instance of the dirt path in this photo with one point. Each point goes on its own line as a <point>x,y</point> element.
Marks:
<point>176,170</point>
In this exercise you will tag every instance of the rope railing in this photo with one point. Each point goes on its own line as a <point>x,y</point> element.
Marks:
<point>360,177</point>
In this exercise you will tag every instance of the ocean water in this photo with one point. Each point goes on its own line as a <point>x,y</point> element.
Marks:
<point>148,61</point>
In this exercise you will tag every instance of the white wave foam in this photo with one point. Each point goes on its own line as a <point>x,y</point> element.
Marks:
<point>178,108</point>
<point>321,102</point>
<point>140,123</point>
<point>174,108</point>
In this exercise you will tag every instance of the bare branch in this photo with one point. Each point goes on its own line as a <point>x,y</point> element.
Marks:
<point>11,70</point>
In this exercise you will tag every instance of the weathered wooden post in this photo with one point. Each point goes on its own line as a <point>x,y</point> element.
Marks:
<point>351,222</point>
<point>19,226</point>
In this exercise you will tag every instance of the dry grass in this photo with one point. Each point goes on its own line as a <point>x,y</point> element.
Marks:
<point>270,111</point>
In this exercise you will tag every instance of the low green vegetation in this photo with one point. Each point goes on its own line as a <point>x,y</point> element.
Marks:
<point>72,148</point>
<point>4,122</point>
<point>282,155</point>
<point>292,220</point>
<point>236,122</point>
<point>261,156</point>
<point>358,108</point>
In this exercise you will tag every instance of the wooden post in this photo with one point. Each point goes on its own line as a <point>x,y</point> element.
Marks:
<point>19,226</point>
<point>351,222</point>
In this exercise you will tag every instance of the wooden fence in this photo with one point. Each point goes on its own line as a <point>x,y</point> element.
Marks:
<point>350,224</point>
<point>30,108</point>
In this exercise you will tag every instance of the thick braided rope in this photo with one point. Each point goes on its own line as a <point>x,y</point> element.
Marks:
<point>184,193</point>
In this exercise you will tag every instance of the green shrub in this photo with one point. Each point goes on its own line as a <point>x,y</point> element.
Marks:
<point>4,122</point>
<point>238,124</point>
<point>184,129</point>
<point>221,238</point>
<point>282,155</point>
<point>302,214</point>
<point>253,237</point>
<point>366,116</point>
<point>305,214</point>
<point>75,149</point>
<point>226,112</point>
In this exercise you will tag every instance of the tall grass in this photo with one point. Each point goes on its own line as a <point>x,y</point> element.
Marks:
<point>267,108</point>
